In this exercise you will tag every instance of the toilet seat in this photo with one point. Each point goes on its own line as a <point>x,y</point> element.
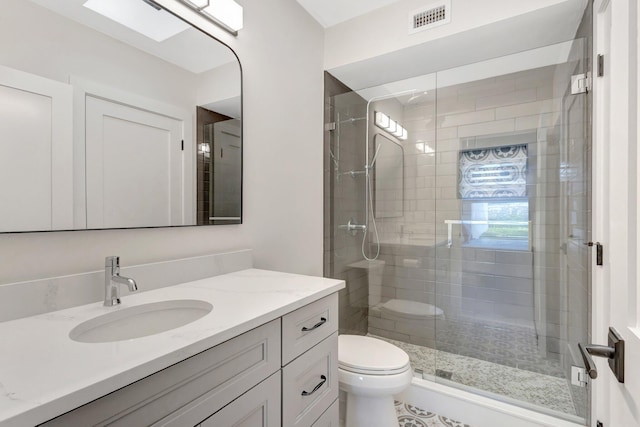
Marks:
<point>370,356</point>
<point>411,310</point>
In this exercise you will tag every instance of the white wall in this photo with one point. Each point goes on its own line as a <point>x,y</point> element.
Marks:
<point>385,30</point>
<point>280,49</point>
<point>56,47</point>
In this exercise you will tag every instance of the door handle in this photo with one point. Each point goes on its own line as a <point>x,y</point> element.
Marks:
<point>614,352</point>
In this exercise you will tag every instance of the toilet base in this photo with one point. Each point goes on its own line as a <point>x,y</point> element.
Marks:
<point>370,411</point>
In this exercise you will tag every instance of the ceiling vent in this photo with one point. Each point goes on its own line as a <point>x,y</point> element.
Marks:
<point>432,15</point>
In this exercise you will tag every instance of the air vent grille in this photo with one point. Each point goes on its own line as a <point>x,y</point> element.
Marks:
<point>430,16</point>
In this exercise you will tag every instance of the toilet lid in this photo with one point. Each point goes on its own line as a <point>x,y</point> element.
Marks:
<point>411,309</point>
<point>371,356</point>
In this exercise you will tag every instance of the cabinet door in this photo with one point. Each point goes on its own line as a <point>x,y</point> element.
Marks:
<point>310,384</point>
<point>187,392</point>
<point>259,407</point>
<point>307,326</point>
<point>330,418</point>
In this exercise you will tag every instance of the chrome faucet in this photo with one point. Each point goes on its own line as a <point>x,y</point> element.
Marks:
<point>113,280</point>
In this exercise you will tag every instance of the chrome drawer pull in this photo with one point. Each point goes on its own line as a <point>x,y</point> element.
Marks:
<point>324,380</point>
<point>316,326</point>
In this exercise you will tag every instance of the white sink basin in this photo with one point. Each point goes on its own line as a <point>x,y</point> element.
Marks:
<point>140,321</point>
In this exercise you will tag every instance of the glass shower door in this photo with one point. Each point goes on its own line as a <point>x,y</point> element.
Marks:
<point>512,217</point>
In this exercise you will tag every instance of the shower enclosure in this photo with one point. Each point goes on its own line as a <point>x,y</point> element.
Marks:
<point>457,210</point>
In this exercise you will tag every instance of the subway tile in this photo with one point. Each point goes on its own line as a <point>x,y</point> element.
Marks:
<point>528,109</point>
<point>382,323</point>
<point>389,334</point>
<point>451,120</point>
<point>488,128</point>
<point>509,98</point>
<point>536,121</point>
<point>509,257</point>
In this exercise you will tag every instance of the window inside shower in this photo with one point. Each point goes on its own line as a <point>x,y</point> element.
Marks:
<point>480,273</point>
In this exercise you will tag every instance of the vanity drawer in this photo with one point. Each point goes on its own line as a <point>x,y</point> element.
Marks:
<point>330,418</point>
<point>188,392</point>
<point>259,407</point>
<point>307,326</point>
<point>310,384</point>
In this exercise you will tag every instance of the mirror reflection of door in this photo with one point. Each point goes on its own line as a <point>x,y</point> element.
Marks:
<point>133,158</point>
<point>219,168</point>
<point>35,182</point>
<point>226,162</point>
<point>67,52</point>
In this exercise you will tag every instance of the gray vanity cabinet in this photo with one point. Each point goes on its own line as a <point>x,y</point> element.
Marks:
<point>310,362</point>
<point>259,407</point>
<point>190,391</point>
<point>244,381</point>
<point>330,418</point>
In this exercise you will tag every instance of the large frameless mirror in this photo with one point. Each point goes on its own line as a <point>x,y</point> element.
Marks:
<point>115,114</point>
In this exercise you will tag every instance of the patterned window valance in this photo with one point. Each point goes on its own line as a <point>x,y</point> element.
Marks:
<point>499,172</point>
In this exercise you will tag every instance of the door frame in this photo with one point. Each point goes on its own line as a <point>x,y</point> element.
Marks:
<point>616,285</point>
<point>62,176</point>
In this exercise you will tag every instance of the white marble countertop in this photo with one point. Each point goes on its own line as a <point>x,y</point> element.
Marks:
<point>43,373</point>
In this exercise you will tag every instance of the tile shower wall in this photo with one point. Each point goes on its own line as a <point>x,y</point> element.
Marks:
<point>472,283</point>
<point>508,286</point>
<point>343,201</point>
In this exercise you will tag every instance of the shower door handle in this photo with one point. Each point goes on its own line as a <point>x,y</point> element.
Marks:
<point>614,352</point>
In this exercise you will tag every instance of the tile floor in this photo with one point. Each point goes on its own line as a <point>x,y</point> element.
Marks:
<point>546,391</point>
<point>412,416</point>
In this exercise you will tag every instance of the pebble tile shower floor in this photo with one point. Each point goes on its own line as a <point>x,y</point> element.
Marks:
<point>538,389</point>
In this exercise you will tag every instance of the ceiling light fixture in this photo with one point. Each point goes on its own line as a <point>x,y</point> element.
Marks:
<point>227,14</point>
<point>385,122</point>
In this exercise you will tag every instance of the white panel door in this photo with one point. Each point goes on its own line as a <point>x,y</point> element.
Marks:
<point>226,185</point>
<point>616,300</point>
<point>134,167</point>
<point>35,153</point>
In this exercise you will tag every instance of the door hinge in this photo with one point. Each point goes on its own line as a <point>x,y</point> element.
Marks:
<point>182,145</point>
<point>599,424</point>
<point>600,65</point>
<point>578,376</point>
<point>580,83</point>
<point>599,252</point>
<point>330,126</point>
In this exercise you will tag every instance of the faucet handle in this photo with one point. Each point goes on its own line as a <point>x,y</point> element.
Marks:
<point>112,261</point>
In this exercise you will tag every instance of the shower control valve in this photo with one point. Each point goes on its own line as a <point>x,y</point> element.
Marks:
<point>352,227</point>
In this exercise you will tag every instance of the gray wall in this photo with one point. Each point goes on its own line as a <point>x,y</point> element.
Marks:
<point>344,150</point>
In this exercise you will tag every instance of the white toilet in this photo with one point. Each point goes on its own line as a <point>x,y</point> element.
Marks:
<point>371,371</point>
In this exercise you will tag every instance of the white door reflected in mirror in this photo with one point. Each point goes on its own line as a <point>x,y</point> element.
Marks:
<point>107,131</point>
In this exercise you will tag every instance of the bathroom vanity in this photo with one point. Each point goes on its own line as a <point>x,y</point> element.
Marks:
<point>265,355</point>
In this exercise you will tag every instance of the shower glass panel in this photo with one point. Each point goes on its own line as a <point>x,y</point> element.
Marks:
<point>512,220</point>
<point>345,206</point>
<point>402,305</point>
